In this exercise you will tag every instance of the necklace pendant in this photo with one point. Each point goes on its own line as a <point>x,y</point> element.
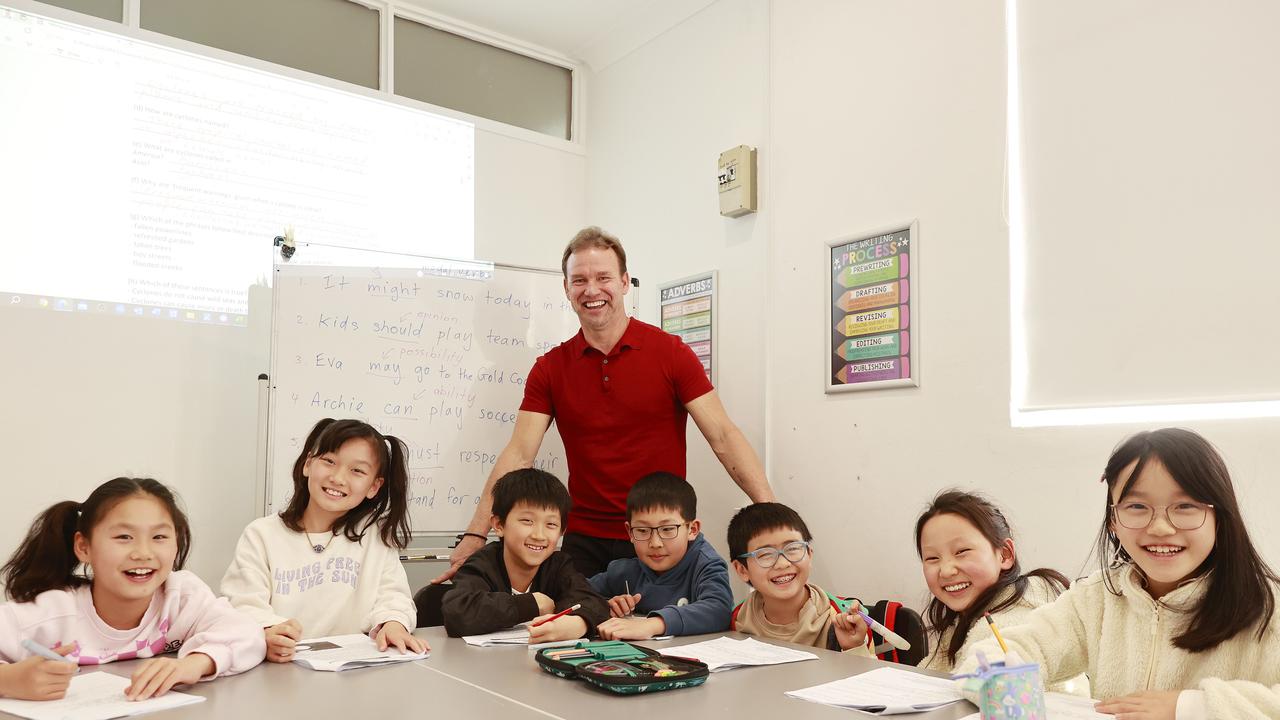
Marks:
<point>318,548</point>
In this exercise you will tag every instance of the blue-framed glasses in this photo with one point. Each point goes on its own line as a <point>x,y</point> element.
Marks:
<point>767,556</point>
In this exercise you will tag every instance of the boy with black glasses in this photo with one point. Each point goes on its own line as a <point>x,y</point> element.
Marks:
<point>676,584</point>
<point>772,551</point>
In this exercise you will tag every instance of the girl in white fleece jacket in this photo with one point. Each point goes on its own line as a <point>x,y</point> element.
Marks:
<point>132,536</point>
<point>967,553</point>
<point>329,564</point>
<point>1181,620</point>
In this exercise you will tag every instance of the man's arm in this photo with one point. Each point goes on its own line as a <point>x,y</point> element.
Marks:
<point>520,452</point>
<point>730,446</point>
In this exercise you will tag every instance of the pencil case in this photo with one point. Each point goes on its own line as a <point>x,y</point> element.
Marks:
<point>621,667</point>
<point>1007,692</point>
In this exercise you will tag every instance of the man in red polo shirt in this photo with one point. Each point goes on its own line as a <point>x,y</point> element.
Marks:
<point>620,392</point>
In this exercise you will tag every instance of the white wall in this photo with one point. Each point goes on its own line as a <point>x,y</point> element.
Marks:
<point>659,119</point>
<point>884,112</point>
<point>876,113</point>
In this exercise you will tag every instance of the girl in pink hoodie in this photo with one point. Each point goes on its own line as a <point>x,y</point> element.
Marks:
<point>134,602</point>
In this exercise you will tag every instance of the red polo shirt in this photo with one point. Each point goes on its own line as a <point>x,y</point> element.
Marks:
<point>621,416</point>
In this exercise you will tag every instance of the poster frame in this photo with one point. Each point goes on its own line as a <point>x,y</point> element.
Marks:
<point>912,303</point>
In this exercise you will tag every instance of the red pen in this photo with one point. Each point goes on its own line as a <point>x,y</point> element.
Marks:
<point>558,615</point>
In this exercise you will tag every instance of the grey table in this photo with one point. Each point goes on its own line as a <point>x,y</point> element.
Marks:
<point>504,683</point>
<point>753,692</point>
<point>273,691</point>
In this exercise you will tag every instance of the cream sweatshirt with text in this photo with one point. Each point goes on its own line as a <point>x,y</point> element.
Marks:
<point>349,587</point>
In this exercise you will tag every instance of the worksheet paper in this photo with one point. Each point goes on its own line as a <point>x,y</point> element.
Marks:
<point>511,636</point>
<point>348,652</point>
<point>95,696</point>
<point>884,691</point>
<point>725,653</point>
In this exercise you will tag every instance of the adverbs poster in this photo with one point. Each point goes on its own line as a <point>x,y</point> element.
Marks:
<point>687,308</point>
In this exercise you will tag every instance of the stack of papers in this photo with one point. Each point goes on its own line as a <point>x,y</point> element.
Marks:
<point>347,652</point>
<point>512,636</point>
<point>884,691</point>
<point>726,653</point>
<point>95,696</point>
<point>1064,707</point>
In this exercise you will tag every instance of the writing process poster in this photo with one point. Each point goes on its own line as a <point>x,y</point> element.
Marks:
<point>688,308</point>
<point>872,317</point>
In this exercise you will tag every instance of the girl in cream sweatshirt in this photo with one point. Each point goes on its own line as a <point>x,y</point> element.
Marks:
<point>1180,623</point>
<point>329,564</point>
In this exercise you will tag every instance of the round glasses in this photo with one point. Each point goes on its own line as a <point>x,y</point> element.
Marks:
<point>1182,515</point>
<point>666,532</point>
<point>767,557</point>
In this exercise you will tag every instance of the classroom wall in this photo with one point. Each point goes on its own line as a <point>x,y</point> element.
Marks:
<point>659,119</point>
<point>884,112</point>
<point>876,113</point>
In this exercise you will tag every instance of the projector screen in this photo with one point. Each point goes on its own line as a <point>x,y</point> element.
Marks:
<point>143,180</point>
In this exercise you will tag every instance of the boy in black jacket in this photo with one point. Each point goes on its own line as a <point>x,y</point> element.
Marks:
<point>521,577</point>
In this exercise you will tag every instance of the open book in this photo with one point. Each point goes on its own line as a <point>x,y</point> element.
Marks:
<point>347,652</point>
<point>95,696</point>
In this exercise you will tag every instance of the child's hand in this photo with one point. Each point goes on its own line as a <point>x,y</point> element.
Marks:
<point>36,678</point>
<point>621,606</point>
<point>851,629</point>
<point>156,676</point>
<point>1148,705</point>
<point>629,628</point>
<point>546,605</point>
<point>282,640</point>
<point>569,627</point>
<point>394,634</point>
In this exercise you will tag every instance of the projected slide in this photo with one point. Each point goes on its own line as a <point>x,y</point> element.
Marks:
<point>141,180</point>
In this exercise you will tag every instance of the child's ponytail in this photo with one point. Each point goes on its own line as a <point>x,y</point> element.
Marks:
<point>46,559</point>
<point>396,531</point>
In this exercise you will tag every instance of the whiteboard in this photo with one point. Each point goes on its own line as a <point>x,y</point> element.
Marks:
<point>435,355</point>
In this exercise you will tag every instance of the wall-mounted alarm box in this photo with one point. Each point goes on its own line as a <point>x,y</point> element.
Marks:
<point>737,179</point>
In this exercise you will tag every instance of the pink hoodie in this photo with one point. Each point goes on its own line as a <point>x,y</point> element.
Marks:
<point>184,616</point>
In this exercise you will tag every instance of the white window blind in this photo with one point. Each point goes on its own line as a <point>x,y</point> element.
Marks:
<point>1148,189</point>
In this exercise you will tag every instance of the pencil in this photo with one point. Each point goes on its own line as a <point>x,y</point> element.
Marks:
<point>558,615</point>
<point>996,631</point>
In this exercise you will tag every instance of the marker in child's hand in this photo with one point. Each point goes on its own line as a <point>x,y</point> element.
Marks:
<point>557,616</point>
<point>894,638</point>
<point>996,631</point>
<point>36,648</point>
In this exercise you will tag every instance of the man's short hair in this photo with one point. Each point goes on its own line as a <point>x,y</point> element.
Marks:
<point>533,487</point>
<point>759,518</point>
<point>593,237</point>
<point>660,491</point>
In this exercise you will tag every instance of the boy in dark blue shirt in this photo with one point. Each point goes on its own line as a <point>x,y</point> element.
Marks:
<point>676,584</point>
